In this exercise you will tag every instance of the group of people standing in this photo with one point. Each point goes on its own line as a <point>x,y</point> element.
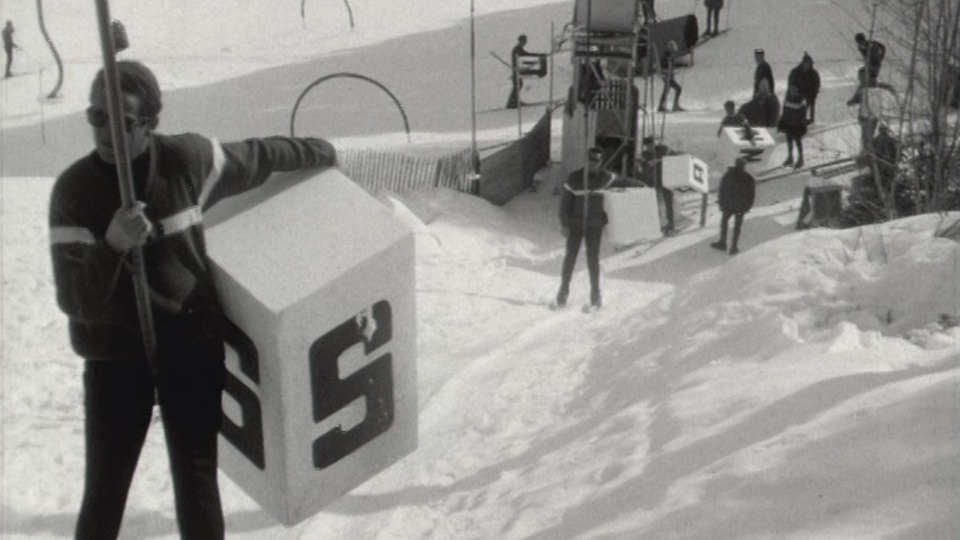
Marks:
<point>737,191</point>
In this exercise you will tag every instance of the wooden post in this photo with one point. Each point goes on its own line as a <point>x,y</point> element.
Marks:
<point>118,135</point>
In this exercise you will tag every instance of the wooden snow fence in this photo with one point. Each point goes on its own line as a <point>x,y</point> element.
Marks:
<point>378,170</point>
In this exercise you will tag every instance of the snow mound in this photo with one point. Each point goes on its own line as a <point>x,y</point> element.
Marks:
<point>849,288</point>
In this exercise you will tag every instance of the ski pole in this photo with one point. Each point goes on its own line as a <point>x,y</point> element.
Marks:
<point>121,148</point>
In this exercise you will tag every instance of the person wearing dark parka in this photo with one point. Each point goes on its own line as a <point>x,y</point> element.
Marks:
<point>736,196</point>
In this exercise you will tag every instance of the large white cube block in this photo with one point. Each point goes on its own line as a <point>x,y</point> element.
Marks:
<point>633,215</point>
<point>685,171</point>
<point>735,143</point>
<point>317,279</point>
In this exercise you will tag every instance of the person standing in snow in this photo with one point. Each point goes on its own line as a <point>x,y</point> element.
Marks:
<point>793,123</point>
<point>872,52</point>
<point>807,81</point>
<point>8,47</point>
<point>668,65</point>
<point>175,177</point>
<point>733,118</point>
<point>713,11</point>
<point>651,174</point>
<point>736,195</point>
<point>762,73</point>
<point>582,218</point>
<point>518,50</point>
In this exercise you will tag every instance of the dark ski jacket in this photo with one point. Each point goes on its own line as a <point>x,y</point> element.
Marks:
<point>572,201</point>
<point>177,178</point>
<point>807,81</point>
<point>761,111</point>
<point>737,191</point>
<point>873,52</point>
<point>763,71</point>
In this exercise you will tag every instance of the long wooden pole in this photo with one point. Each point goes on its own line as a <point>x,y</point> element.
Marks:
<point>473,91</point>
<point>121,148</point>
<point>586,123</point>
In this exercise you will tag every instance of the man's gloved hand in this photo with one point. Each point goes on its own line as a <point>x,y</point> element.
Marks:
<point>129,228</point>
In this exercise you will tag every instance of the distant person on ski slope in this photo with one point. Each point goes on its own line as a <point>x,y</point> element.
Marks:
<point>576,228</point>
<point>807,80</point>
<point>763,72</point>
<point>793,123</point>
<point>649,13</point>
<point>8,46</point>
<point>668,67</point>
<point>872,53</point>
<point>651,174</point>
<point>518,50</point>
<point>764,109</point>
<point>713,12</point>
<point>733,118</point>
<point>736,195</point>
<point>175,177</point>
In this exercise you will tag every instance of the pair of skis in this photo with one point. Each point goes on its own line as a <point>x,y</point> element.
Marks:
<point>587,308</point>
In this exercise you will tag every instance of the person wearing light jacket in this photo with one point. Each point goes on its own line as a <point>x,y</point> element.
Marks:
<point>175,178</point>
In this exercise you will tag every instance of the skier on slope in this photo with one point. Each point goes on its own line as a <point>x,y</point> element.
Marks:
<point>174,177</point>
<point>713,15</point>
<point>793,123</point>
<point>668,66</point>
<point>582,218</point>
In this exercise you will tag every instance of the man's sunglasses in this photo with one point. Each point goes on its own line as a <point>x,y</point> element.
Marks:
<point>99,118</point>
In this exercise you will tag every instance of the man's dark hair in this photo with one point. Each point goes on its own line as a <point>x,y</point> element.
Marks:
<point>729,104</point>
<point>860,37</point>
<point>138,80</point>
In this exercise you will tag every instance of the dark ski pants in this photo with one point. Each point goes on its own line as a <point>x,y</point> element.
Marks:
<point>737,223</point>
<point>668,83</point>
<point>514,100</point>
<point>593,236</point>
<point>9,64</point>
<point>791,141</point>
<point>118,403</point>
<point>667,196</point>
<point>713,13</point>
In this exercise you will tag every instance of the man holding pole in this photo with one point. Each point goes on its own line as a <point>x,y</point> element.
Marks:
<point>92,237</point>
<point>582,219</point>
